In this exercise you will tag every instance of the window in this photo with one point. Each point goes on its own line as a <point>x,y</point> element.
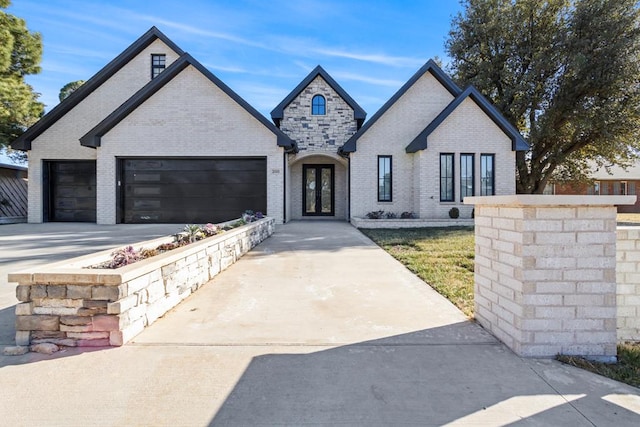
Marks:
<point>384,178</point>
<point>623,188</point>
<point>318,106</point>
<point>487,179</point>
<point>446,177</point>
<point>467,176</point>
<point>158,63</point>
<point>549,189</point>
<point>596,188</point>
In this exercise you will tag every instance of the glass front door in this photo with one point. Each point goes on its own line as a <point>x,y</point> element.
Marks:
<point>318,186</point>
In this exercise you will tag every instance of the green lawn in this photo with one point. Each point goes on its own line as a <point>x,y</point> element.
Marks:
<point>443,258</point>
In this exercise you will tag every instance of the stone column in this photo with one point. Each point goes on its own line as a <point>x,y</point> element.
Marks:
<point>545,273</point>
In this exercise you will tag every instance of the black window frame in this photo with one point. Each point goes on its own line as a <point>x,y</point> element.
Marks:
<point>158,64</point>
<point>314,105</point>
<point>483,191</point>
<point>384,182</point>
<point>449,179</point>
<point>473,175</point>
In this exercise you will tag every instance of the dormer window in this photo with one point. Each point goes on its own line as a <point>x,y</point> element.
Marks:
<point>318,106</point>
<point>158,64</point>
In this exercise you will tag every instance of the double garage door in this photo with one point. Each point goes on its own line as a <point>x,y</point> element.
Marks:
<point>164,190</point>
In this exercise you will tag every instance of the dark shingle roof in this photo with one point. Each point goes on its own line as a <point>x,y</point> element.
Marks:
<point>518,143</point>
<point>92,138</point>
<point>430,66</point>
<point>358,113</point>
<point>23,142</point>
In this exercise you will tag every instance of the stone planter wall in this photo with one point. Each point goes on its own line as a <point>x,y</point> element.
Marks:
<point>409,223</point>
<point>67,304</point>
<point>545,273</point>
<point>628,278</point>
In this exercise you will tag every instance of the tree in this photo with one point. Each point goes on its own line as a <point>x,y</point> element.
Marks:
<point>69,88</point>
<point>20,54</point>
<point>565,73</point>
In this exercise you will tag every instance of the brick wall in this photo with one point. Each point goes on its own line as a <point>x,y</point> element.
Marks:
<point>545,273</point>
<point>61,140</point>
<point>628,277</point>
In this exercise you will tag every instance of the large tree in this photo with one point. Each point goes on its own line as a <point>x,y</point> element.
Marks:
<point>565,73</point>
<point>69,88</point>
<point>20,54</point>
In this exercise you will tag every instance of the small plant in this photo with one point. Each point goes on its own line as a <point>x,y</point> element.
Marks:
<point>375,215</point>
<point>210,229</point>
<point>454,213</point>
<point>408,215</point>
<point>193,232</point>
<point>390,215</point>
<point>124,256</point>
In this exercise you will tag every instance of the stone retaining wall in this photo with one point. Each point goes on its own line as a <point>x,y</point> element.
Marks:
<point>628,278</point>
<point>67,304</point>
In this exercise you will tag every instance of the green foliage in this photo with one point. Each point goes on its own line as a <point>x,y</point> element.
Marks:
<point>20,54</point>
<point>564,72</point>
<point>69,88</point>
<point>627,369</point>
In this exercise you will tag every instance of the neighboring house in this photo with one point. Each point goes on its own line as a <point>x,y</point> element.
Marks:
<point>616,181</point>
<point>13,194</point>
<point>156,137</point>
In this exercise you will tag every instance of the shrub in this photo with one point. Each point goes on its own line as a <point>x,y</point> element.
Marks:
<point>390,215</point>
<point>408,215</point>
<point>124,256</point>
<point>375,215</point>
<point>454,213</point>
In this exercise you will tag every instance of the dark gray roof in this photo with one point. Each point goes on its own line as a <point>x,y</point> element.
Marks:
<point>92,138</point>
<point>430,66</point>
<point>23,142</point>
<point>14,167</point>
<point>358,113</point>
<point>518,143</point>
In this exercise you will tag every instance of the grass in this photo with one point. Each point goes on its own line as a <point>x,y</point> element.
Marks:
<point>444,258</point>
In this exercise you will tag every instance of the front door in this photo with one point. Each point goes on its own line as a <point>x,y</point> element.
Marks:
<point>318,186</point>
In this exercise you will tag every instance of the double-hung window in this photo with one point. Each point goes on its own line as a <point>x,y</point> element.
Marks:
<point>158,64</point>
<point>447,193</point>
<point>384,179</point>
<point>467,176</point>
<point>487,176</point>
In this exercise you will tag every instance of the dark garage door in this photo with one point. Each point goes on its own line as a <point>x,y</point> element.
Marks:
<point>70,191</point>
<point>191,190</point>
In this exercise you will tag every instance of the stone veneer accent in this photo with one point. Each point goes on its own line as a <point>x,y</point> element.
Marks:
<point>545,273</point>
<point>628,277</point>
<point>66,304</point>
<point>318,133</point>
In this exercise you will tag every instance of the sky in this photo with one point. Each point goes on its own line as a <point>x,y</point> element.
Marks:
<point>260,48</point>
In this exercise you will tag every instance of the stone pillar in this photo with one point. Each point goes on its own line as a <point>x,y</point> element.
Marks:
<point>628,274</point>
<point>545,273</point>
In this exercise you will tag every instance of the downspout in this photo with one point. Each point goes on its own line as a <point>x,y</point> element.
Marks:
<point>349,189</point>
<point>284,187</point>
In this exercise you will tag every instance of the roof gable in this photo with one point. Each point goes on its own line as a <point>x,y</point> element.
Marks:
<point>358,113</point>
<point>429,67</point>
<point>93,137</point>
<point>518,143</point>
<point>23,142</point>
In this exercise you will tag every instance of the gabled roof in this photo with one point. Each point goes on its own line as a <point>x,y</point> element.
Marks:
<point>358,113</point>
<point>518,143</point>
<point>430,66</point>
<point>23,142</point>
<point>92,138</point>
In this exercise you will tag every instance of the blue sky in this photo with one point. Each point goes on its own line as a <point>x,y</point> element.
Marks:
<point>260,48</point>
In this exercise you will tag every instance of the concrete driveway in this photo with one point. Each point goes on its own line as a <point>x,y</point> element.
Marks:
<point>315,326</point>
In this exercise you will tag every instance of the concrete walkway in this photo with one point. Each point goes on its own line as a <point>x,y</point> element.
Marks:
<point>315,326</point>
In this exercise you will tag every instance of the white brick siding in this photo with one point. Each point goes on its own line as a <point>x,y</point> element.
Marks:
<point>188,117</point>
<point>628,278</point>
<point>61,140</point>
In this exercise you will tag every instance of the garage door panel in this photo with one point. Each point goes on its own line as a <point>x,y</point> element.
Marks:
<point>71,191</point>
<point>192,190</point>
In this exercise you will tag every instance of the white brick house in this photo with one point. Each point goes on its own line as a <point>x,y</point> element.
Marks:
<point>155,137</point>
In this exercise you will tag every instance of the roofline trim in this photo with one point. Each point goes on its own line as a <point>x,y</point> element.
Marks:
<point>278,112</point>
<point>518,143</point>
<point>23,142</point>
<point>93,137</point>
<point>429,66</point>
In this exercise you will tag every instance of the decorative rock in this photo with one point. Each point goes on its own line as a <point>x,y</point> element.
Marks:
<point>22,292</point>
<point>45,348</point>
<point>106,323</point>
<point>75,320</point>
<point>56,291</point>
<point>24,309</point>
<point>23,338</point>
<point>109,293</point>
<point>41,335</point>
<point>79,291</point>
<point>38,291</point>
<point>67,342</point>
<point>15,350</point>
<point>37,323</point>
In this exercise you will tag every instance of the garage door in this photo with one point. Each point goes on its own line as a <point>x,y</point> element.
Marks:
<point>191,190</point>
<point>70,188</point>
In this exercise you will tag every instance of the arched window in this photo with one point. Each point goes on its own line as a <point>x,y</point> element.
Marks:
<point>318,106</point>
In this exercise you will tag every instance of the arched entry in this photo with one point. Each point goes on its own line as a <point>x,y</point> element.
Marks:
<point>318,187</point>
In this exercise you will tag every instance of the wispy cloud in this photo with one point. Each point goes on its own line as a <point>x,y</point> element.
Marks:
<point>395,61</point>
<point>365,79</point>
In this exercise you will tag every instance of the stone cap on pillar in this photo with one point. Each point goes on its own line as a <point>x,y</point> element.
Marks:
<point>549,200</point>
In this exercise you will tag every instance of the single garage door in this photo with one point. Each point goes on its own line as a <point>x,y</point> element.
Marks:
<point>191,190</point>
<point>70,191</point>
